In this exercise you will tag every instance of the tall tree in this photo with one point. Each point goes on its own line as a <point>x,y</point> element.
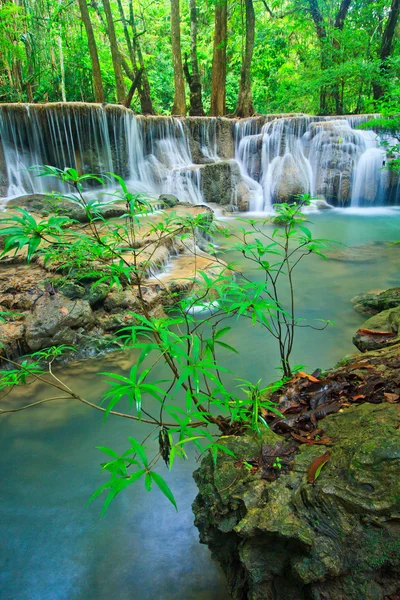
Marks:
<point>245,106</point>
<point>326,43</point>
<point>116,59</point>
<point>218,80</point>
<point>94,57</point>
<point>386,47</point>
<point>144,85</point>
<point>179,106</point>
<point>193,78</point>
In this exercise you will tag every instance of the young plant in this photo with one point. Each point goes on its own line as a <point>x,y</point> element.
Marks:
<point>189,340</point>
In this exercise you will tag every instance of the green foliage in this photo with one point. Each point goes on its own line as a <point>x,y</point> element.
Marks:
<point>199,394</point>
<point>291,65</point>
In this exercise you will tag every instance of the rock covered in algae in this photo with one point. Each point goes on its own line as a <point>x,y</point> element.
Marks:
<point>338,539</point>
<point>379,331</point>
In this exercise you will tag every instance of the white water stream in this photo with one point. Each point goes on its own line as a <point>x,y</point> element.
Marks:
<point>278,156</point>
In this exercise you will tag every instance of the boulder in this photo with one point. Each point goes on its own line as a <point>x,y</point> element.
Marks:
<point>46,205</point>
<point>290,180</point>
<point>222,183</point>
<point>371,304</point>
<point>57,320</point>
<point>287,539</point>
<point>168,200</point>
<point>379,331</point>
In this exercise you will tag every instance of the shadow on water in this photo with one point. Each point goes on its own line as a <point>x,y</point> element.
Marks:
<point>55,547</point>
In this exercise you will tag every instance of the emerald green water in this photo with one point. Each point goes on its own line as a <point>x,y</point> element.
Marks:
<point>55,547</point>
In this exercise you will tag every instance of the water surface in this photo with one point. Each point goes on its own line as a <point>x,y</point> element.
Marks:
<point>55,547</point>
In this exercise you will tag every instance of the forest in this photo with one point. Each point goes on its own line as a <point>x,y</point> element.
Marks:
<point>197,57</point>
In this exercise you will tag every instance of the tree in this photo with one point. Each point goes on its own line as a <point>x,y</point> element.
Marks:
<point>218,85</point>
<point>245,106</point>
<point>94,57</point>
<point>179,105</point>
<point>193,78</point>
<point>386,48</point>
<point>327,42</point>
<point>116,60</point>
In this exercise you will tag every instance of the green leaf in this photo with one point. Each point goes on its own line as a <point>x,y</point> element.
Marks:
<point>162,484</point>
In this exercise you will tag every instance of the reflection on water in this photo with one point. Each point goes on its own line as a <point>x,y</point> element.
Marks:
<point>54,547</point>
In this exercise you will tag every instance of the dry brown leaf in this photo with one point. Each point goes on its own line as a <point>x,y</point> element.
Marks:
<point>391,398</point>
<point>64,310</point>
<point>307,376</point>
<point>358,397</point>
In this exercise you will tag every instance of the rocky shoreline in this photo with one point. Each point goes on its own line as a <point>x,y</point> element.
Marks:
<point>279,529</point>
<point>41,308</point>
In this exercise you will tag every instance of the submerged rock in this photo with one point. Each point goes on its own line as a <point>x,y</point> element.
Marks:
<point>337,539</point>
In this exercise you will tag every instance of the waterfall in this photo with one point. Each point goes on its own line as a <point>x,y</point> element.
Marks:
<point>322,156</point>
<point>249,164</point>
<point>152,154</point>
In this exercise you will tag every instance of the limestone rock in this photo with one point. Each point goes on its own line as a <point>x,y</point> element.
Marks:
<point>338,539</point>
<point>222,183</point>
<point>290,180</point>
<point>57,320</point>
<point>168,200</point>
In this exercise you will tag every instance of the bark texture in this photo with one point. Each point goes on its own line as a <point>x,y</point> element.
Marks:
<point>193,78</point>
<point>218,84</point>
<point>245,106</point>
<point>179,106</point>
<point>119,79</point>
<point>94,57</point>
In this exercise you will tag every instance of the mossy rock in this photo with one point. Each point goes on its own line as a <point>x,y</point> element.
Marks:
<point>338,539</point>
<point>379,331</point>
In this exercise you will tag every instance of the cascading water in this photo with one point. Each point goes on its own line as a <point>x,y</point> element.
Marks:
<point>321,156</point>
<point>153,155</point>
<point>251,163</point>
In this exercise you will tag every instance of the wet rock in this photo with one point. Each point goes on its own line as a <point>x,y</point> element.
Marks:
<point>291,180</point>
<point>168,200</point>
<point>12,338</point>
<point>222,183</point>
<point>288,539</point>
<point>72,290</point>
<point>57,320</point>
<point>121,299</point>
<point>46,205</point>
<point>379,331</point>
<point>371,304</point>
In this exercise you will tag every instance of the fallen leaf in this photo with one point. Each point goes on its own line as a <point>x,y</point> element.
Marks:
<point>310,441</point>
<point>64,310</point>
<point>358,397</point>
<point>391,398</point>
<point>316,466</point>
<point>373,332</point>
<point>303,375</point>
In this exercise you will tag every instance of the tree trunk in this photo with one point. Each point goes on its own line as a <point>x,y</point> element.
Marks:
<point>144,86</point>
<point>218,83</point>
<point>339,24</point>
<point>179,106</point>
<point>94,57</point>
<point>321,35</point>
<point>193,79</point>
<point>245,101</point>
<point>386,47</point>
<point>119,79</point>
<point>62,68</point>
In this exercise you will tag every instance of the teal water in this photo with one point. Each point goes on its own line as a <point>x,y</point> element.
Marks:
<point>55,547</point>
